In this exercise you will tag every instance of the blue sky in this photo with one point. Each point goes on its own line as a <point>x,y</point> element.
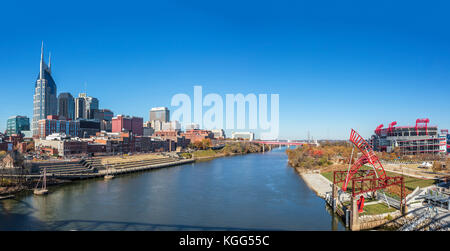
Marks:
<point>335,64</point>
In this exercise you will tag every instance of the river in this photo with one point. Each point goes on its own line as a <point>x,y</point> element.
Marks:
<point>247,192</point>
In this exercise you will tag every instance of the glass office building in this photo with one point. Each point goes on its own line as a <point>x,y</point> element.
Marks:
<point>17,124</point>
<point>66,106</point>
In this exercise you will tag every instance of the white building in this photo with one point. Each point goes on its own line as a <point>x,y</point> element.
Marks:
<point>157,125</point>
<point>171,126</point>
<point>218,133</point>
<point>57,136</point>
<point>243,135</point>
<point>192,126</point>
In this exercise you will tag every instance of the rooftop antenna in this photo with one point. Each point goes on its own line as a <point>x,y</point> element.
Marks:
<point>85,87</point>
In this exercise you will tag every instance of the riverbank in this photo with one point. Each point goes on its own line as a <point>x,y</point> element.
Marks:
<point>230,149</point>
<point>113,165</point>
<point>316,182</point>
<point>218,155</point>
<point>375,213</point>
<point>248,192</point>
<point>62,178</point>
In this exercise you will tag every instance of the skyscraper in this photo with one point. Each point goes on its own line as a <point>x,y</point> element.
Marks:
<point>66,105</point>
<point>91,106</point>
<point>80,108</point>
<point>85,106</point>
<point>44,99</point>
<point>160,113</point>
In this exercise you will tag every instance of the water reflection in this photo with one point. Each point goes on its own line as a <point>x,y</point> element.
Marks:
<point>249,192</point>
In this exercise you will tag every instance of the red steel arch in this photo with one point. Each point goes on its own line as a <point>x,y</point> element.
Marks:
<point>367,157</point>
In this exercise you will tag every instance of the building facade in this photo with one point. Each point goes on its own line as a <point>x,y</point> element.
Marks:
<point>45,101</point>
<point>103,114</point>
<point>80,108</point>
<point>218,133</point>
<point>192,126</point>
<point>85,106</point>
<point>105,117</point>
<point>52,124</point>
<point>171,125</point>
<point>17,125</point>
<point>64,147</point>
<point>88,127</point>
<point>197,135</point>
<point>243,135</point>
<point>160,113</point>
<point>410,140</point>
<point>66,106</point>
<point>123,123</point>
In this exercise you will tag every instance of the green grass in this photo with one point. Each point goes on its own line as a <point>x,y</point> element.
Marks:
<point>378,208</point>
<point>328,175</point>
<point>410,182</point>
<point>204,153</point>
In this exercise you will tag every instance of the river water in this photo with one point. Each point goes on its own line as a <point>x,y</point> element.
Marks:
<point>248,192</point>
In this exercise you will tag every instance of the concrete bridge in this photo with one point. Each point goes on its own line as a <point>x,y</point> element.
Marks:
<point>285,143</point>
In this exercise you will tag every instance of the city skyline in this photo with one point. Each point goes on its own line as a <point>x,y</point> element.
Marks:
<point>332,75</point>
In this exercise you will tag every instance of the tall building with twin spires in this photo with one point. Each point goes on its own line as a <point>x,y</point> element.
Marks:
<point>45,101</point>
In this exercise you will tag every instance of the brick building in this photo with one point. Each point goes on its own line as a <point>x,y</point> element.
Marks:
<point>197,135</point>
<point>123,123</point>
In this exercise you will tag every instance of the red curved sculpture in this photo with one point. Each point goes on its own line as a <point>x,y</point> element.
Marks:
<point>367,157</point>
<point>353,169</point>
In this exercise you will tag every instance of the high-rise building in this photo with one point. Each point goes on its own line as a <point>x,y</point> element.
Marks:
<point>66,106</point>
<point>80,108</point>
<point>91,106</point>
<point>45,101</point>
<point>17,124</point>
<point>160,113</point>
<point>85,106</point>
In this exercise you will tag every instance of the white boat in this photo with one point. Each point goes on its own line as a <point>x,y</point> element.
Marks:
<point>43,190</point>
<point>108,176</point>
